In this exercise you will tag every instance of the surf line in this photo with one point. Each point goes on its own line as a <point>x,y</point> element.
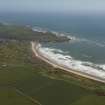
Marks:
<point>35,48</point>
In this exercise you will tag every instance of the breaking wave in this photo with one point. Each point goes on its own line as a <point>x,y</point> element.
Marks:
<point>91,42</point>
<point>59,34</point>
<point>69,62</point>
<point>38,29</point>
<point>69,36</point>
<point>62,58</point>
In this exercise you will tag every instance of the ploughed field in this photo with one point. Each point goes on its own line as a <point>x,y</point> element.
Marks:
<point>26,80</point>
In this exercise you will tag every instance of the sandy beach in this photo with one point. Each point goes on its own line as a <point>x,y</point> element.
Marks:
<point>38,53</point>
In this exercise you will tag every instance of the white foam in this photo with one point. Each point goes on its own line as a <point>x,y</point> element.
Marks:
<point>37,29</point>
<point>92,42</point>
<point>58,34</point>
<point>69,62</point>
<point>63,34</point>
<point>72,38</point>
<point>102,67</point>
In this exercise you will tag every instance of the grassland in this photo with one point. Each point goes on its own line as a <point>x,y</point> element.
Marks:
<point>26,33</point>
<point>26,80</point>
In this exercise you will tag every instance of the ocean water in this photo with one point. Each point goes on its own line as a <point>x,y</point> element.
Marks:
<point>87,31</point>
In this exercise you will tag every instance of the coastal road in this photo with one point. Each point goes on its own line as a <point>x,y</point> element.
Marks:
<point>35,49</point>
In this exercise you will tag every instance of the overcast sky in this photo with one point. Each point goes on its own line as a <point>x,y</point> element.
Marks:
<point>53,5</point>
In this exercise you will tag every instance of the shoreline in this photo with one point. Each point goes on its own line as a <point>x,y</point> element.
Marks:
<point>35,49</point>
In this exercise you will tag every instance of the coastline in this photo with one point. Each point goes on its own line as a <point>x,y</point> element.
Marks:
<point>40,55</point>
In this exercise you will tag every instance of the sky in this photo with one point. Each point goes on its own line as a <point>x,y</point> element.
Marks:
<point>53,5</point>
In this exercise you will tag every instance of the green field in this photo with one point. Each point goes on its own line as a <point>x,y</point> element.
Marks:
<point>26,33</point>
<point>25,80</point>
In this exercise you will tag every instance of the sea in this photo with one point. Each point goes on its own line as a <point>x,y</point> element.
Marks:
<point>87,47</point>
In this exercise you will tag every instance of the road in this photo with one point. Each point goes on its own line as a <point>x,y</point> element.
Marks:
<point>35,49</point>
